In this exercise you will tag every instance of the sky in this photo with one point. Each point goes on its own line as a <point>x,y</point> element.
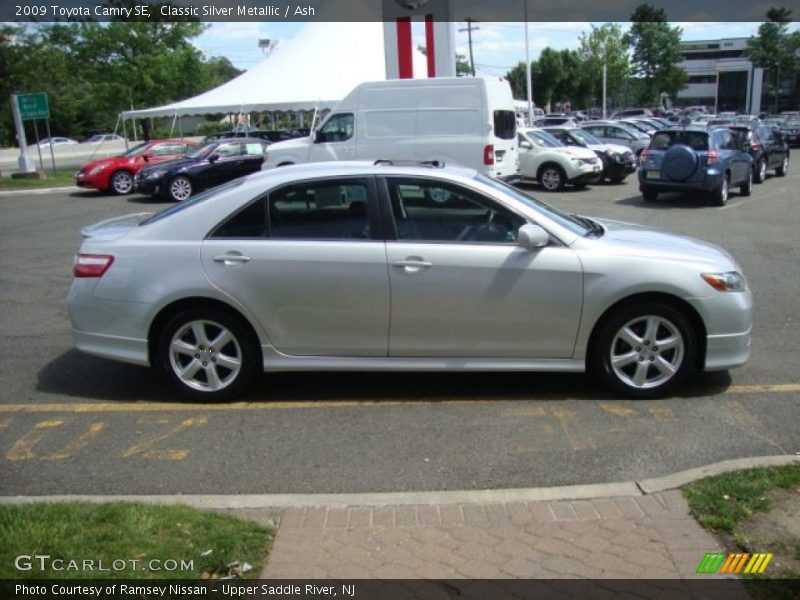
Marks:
<point>497,47</point>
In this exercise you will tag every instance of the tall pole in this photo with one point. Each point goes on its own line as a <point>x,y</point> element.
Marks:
<point>528,68</point>
<point>469,36</point>
<point>605,75</point>
<point>24,161</point>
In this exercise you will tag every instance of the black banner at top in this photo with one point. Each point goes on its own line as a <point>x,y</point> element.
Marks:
<point>381,10</point>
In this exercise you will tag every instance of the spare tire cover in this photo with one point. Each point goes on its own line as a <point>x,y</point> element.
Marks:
<point>679,163</point>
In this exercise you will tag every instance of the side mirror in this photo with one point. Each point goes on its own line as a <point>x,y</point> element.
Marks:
<point>532,237</point>
<point>213,158</point>
<point>317,136</point>
<point>526,145</point>
<point>146,157</point>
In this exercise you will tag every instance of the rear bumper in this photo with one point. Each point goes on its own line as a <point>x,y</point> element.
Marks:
<point>711,182</point>
<point>127,350</point>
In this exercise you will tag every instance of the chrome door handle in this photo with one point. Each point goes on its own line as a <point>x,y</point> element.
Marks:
<point>412,266</point>
<point>230,259</point>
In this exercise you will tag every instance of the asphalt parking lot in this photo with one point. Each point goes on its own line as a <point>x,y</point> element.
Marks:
<point>70,423</point>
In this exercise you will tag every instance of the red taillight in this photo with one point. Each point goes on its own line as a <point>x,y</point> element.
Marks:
<point>643,155</point>
<point>712,156</point>
<point>91,265</point>
<point>756,146</point>
<point>488,155</point>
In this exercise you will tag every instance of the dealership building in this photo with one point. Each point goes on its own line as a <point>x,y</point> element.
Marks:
<point>722,78</point>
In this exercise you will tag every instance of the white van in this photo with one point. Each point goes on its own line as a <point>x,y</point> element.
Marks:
<point>457,120</point>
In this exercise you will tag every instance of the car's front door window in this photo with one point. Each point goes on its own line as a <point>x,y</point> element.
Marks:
<point>433,211</point>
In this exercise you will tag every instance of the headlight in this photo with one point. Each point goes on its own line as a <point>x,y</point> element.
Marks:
<point>155,174</point>
<point>726,282</point>
<point>587,161</point>
<point>97,169</point>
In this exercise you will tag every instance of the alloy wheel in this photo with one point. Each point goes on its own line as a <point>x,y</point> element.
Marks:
<point>205,355</point>
<point>647,352</point>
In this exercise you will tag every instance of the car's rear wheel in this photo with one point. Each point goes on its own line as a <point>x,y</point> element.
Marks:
<point>747,187</point>
<point>552,178</point>
<point>783,168</point>
<point>720,195</point>
<point>180,188</point>
<point>644,350</point>
<point>208,354</point>
<point>121,183</point>
<point>760,171</point>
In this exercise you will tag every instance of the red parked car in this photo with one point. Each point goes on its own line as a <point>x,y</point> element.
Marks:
<point>116,174</point>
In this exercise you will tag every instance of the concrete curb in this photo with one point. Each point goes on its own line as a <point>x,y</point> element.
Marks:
<point>572,492</point>
<point>40,191</point>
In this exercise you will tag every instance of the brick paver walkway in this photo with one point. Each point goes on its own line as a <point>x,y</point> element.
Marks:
<point>649,536</point>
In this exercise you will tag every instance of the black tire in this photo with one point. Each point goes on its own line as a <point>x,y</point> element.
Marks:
<point>642,377</point>
<point>552,178</point>
<point>760,171</point>
<point>220,374</point>
<point>649,195</point>
<point>285,164</point>
<point>747,187</point>
<point>121,183</point>
<point>179,188</point>
<point>617,178</point>
<point>719,197</point>
<point>784,167</point>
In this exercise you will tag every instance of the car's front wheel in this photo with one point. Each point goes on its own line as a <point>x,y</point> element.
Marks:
<point>208,354</point>
<point>644,350</point>
<point>121,183</point>
<point>552,178</point>
<point>180,188</point>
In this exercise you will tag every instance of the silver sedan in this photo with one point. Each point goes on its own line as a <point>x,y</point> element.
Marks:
<point>388,267</point>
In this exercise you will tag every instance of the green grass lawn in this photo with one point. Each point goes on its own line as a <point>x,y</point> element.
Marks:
<point>721,502</point>
<point>62,177</point>
<point>125,532</point>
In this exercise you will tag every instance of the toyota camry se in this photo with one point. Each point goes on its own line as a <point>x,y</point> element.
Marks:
<point>390,266</point>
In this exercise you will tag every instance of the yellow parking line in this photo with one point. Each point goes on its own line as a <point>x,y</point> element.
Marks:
<point>112,407</point>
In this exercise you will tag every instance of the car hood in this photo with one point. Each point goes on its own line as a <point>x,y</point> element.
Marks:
<point>616,148</point>
<point>575,151</point>
<point>102,162</point>
<point>112,229</point>
<point>639,240</point>
<point>293,144</point>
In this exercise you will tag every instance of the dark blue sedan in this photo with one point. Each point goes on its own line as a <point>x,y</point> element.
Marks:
<point>209,165</point>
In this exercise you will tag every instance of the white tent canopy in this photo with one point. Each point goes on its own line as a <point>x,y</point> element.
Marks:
<point>314,69</point>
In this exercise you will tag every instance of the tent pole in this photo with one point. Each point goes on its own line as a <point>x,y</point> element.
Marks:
<point>124,130</point>
<point>172,127</point>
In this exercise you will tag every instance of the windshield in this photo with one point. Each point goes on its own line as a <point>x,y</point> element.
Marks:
<point>193,201</point>
<point>585,137</point>
<point>136,150</point>
<point>543,139</point>
<point>571,222</point>
<point>201,151</point>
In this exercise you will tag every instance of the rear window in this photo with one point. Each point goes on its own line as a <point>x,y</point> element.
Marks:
<point>696,140</point>
<point>505,124</point>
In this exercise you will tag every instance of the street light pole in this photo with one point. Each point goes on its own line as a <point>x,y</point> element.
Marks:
<point>605,75</point>
<point>528,68</point>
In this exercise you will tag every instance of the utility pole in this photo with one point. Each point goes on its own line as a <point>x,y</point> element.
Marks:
<point>469,30</point>
<point>528,87</point>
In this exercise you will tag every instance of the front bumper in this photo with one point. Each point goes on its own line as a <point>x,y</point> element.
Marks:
<point>147,186</point>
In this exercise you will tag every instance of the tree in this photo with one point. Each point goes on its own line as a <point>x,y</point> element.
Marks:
<point>656,53</point>
<point>92,71</point>
<point>775,49</point>
<point>548,71</point>
<point>605,44</point>
<point>463,68</point>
